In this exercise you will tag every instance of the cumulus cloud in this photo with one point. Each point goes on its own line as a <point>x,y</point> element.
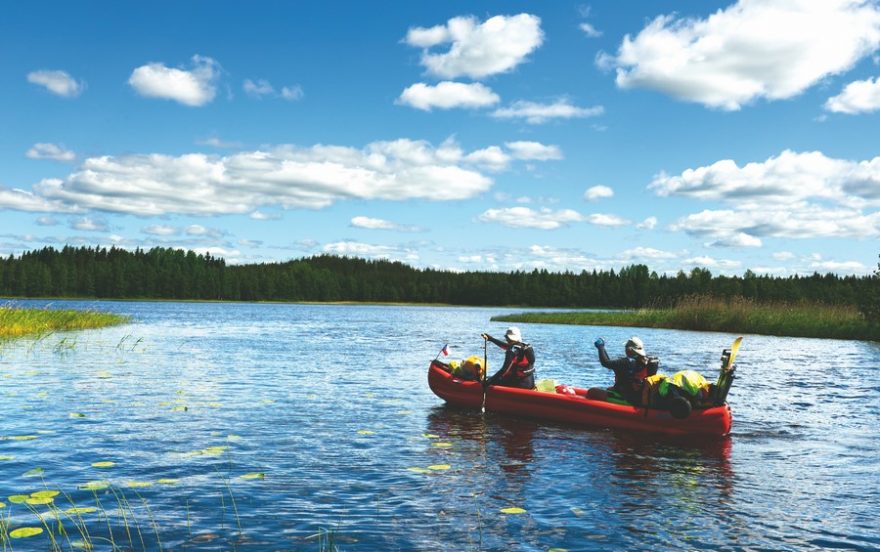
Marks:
<point>598,192</point>
<point>284,176</point>
<point>59,83</point>
<point>773,49</point>
<point>590,30</point>
<point>371,223</point>
<point>492,158</point>
<point>89,225</point>
<point>448,95</point>
<point>538,113</point>
<point>371,251</point>
<point>647,253</point>
<point>50,151</point>
<point>537,151</point>
<point>857,97</point>
<point>783,255</point>
<point>262,88</point>
<point>292,93</point>
<point>526,217</point>
<point>600,219</point>
<point>216,142</point>
<point>648,224</point>
<point>477,50</point>
<point>46,221</point>
<point>838,266</point>
<point>704,261</point>
<point>160,230</point>
<point>194,87</point>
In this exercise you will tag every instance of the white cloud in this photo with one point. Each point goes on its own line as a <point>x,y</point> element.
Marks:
<point>600,219</point>
<point>285,176</point>
<point>736,239</point>
<point>89,225</point>
<point>590,30</point>
<point>259,215</point>
<point>359,249</point>
<point>50,151</point>
<point>258,89</point>
<point>216,142</point>
<point>648,224</point>
<point>710,262</point>
<point>160,230</point>
<point>292,93</point>
<point>492,158</point>
<point>477,50</point>
<point>537,151</point>
<point>47,221</point>
<point>857,97</point>
<point>59,83</point>
<point>537,113</point>
<point>772,49</point>
<point>194,87</point>
<point>785,179</point>
<point>525,217</point>
<point>783,255</point>
<point>372,223</point>
<point>448,95</point>
<point>839,266</point>
<point>598,192</point>
<point>647,253</point>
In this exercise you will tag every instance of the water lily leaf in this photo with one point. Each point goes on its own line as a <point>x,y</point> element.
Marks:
<point>430,436</point>
<point>18,499</point>
<point>419,469</point>
<point>104,374</point>
<point>2,505</point>
<point>20,438</point>
<point>45,494</point>
<point>103,464</point>
<point>80,510</point>
<point>577,511</point>
<point>168,481</point>
<point>179,409</point>
<point>38,501</point>
<point>232,438</point>
<point>513,510</point>
<point>4,458</point>
<point>98,485</point>
<point>441,445</point>
<point>139,484</point>
<point>558,550</point>
<point>34,472</point>
<point>366,432</point>
<point>42,394</point>
<point>214,451</point>
<point>267,401</point>
<point>404,412</point>
<point>77,415</point>
<point>254,475</point>
<point>25,532</point>
<point>439,467</point>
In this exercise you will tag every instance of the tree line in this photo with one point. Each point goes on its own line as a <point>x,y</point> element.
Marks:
<point>165,273</point>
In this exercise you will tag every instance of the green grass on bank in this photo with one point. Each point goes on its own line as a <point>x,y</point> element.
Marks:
<point>738,315</point>
<point>17,322</point>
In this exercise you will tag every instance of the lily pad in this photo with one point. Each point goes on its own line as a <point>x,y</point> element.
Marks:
<point>419,469</point>
<point>4,457</point>
<point>98,485</point>
<point>18,499</point>
<point>19,438</point>
<point>366,432</point>
<point>430,436</point>
<point>139,484</point>
<point>254,475</point>
<point>441,445</point>
<point>25,532</point>
<point>104,464</point>
<point>80,510</point>
<point>232,438</point>
<point>45,494</point>
<point>2,505</point>
<point>439,467</point>
<point>77,415</point>
<point>41,500</point>
<point>180,408</point>
<point>513,510</point>
<point>168,481</point>
<point>34,472</point>
<point>104,374</point>
<point>214,451</point>
<point>42,394</point>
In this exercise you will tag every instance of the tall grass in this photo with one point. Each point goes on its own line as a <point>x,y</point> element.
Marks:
<point>17,322</point>
<point>736,315</point>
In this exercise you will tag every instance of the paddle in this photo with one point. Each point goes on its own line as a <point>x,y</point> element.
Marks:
<point>485,370</point>
<point>733,350</point>
<point>725,378</point>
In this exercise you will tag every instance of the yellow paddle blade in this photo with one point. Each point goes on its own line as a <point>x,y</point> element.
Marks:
<point>733,350</point>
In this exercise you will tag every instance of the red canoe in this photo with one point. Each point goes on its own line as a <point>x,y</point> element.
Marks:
<point>575,409</point>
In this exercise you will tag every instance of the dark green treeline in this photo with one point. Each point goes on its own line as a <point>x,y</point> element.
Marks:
<point>162,273</point>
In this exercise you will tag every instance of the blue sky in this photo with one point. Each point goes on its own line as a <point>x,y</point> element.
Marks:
<point>456,135</point>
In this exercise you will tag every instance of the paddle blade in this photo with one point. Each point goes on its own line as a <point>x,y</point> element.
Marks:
<point>733,350</point>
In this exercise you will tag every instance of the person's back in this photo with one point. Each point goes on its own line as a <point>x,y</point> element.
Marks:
<point>629,371</point>
<point>518,369</point>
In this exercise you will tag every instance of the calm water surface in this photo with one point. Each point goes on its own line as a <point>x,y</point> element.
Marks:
<point>328,409</point>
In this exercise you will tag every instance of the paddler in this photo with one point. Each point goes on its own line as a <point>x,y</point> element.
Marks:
<point>518,369</point>
<point>630,372</point>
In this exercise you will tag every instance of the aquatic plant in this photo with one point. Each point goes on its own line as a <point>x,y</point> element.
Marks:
<point>17,322</point>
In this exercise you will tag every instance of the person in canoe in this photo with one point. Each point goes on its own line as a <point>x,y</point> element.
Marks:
<point>518,369</point>
<point>630,372</point>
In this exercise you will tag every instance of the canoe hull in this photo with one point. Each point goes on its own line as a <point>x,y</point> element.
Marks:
<point>576,409</point>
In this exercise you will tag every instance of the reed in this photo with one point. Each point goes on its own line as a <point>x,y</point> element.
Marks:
<point>737,315</point>
<point>17,322</point>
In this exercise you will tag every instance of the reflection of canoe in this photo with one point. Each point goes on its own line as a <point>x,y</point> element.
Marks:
<point>575,409</point>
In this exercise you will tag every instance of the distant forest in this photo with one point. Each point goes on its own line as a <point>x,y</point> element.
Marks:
<point>163,273</point>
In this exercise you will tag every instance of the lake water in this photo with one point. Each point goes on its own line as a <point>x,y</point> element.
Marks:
<point>327,411</point>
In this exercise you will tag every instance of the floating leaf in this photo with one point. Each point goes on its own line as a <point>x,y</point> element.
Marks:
<point>2,505</point>
<point>232,438</point>
<point>37,501</point>
<point>254,475</point>
<point>139,484</point>
<point>419,469</point>
<point>439,467</point>
<point>42,394</point>
<point>179,409</point>
<point>577,511</point>
<point>366,432</point>
<point>168,481</point>
<point>25,532</point>
<point>19,438</point>
<point>404,412</point>
<point>99,485</point>
<point>214,451</point>
<point>104,374</point>
<point>267,401</point>
<point>441,445</point>
<point>430,436</point>
<point>18,499</point>
<point>45,494</point>
<point>80,510</point>
<point>34,472</point>
<point>513,510</point>
<point>103,464</point>
<point>558,550</point>
<point>77,415</point>
<point>3,458</point>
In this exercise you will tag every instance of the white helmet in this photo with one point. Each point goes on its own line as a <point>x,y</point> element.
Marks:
<point>634,346</point>
<point>512,334</point>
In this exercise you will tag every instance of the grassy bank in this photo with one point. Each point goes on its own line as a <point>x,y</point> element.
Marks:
<point>17,322</point>
<point>735,316</point>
